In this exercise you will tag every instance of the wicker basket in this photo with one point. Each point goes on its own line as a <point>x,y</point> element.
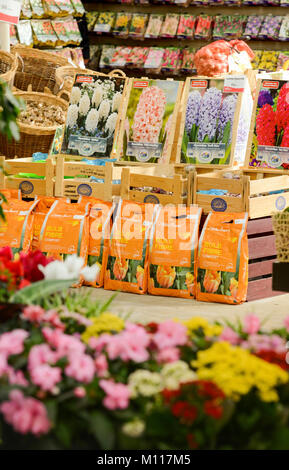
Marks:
<point>32,138</point>
<point>37,68</point>
<point>8,67</point>
<point>281,230</point>
<point>65,76</point>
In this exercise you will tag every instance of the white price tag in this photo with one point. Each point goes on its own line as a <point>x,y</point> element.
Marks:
<point>10,11</point>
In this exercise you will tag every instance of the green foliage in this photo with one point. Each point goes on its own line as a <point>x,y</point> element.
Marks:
<point>40,290</point>
<point>10,108</point>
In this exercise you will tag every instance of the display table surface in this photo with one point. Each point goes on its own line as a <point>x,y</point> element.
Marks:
<point>147,308</point>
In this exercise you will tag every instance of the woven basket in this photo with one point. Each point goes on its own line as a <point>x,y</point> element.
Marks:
<point>32,138</point>
<point>37,68</point>
<point>8,67</point>
<point>281,230</point>
<point>65,76</point>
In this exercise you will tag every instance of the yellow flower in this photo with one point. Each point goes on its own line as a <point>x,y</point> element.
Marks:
<point>105,323</point>
<point>236,371</point>
<point>195,323</point>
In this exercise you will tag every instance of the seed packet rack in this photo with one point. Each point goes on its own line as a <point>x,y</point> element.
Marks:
<point>202,151</point>
<point>170,189</point>
<point>259,194</point>
<point>120,148</point>
<point>73,179</point>
<point>40,185</point>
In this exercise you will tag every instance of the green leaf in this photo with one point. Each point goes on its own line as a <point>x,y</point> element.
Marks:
<point>104,307</point>
<point>102,429</point>
<point>40,290</point>
<point>14,130</point>
<point>63,434</point>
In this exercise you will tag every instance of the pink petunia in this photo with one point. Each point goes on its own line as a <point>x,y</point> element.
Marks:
<point>45,376</point>
<point>33,313</point>
<point>170,334</point>
<point>168,355</point>
<point>81,367</point>
<point>228,334</point>
<point>101,365</point>
<point>252,324</point>
<point>13,342</point>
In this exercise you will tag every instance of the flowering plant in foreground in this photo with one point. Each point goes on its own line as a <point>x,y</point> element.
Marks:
<point>102,382</point>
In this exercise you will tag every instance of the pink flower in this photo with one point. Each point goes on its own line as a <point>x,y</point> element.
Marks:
<point>16,377</point>
<point>259,343</point>
<point>130,344</point>
<point>228,334</point>
<point>52,317</point>
<point>64,344</point>
<point>79,392</point>
<point>25,414</point>
<point>13,342</point>
<point>168,355</point>
<point>33,313</point>
<point>45,376</point>
<point>99,343</point>
<point>251,324</point>
<point>81,367</point>
<point>286,323</point>
<point>41,354</point>
<point>101,365</point>
<point>117,395</point>
<point>170,334</point>
<point>3,364</point>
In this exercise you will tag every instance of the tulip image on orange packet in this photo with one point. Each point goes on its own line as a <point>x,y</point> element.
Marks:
<point>99,233</point>
<point>17,229</point>
<point>173,251</point>
<point>127,264</point>
<point>223,258</point>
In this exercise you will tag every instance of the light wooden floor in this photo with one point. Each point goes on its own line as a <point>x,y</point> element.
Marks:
<point>146,308</point>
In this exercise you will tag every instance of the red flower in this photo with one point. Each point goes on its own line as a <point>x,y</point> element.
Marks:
<point>24,283</point>
<point>282,111</point>
<point>266,126</point>
<point>182,409</point>
<point>192,441</point>
<point>285,139</point>
<point>213,409</point>
<point>209,389</point>
<point>274,358</point>
<point>30,262</point>
<point>169,395</point>
<point>152,327</point>
<point>6,253</point>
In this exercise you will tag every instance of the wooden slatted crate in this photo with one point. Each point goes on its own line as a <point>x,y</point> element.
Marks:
<point>262,254</point>
<point>41,185</point>
<point>73,180</point>
<point>170,189</point>
<point>254,190</point>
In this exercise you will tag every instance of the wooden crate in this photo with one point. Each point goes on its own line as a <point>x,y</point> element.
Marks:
<point>29,187</point>
<point>262,255</point>
<point>254,189</point>
<point>80,184</point>
<point>176,188</point>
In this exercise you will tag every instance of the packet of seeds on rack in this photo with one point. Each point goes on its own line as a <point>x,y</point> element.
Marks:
<point>51,9</point>
<point>138,25</point>
<point>211,118</point>
<point>106,56</point>
<point>284,30</point>
<point>25,33</point>
<point>170,25</point>
<point>65,7</point>
<point>26,11</point>
<point>72,31</point>
<point>149,125</point>
<point>43,33</point>
<point>92,115</point>
<point>13,35</point>
<point>91,18</point>
<point>154,26</point>
<point>268,145</point>
<point>121,25</point>
<point>78,8</point>
<point>60,31</point>
<point>105,22</point>
<point>37,9</point>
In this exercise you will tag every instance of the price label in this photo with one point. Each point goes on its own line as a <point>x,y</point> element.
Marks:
<point>10,11</point>
<point>234,84</point>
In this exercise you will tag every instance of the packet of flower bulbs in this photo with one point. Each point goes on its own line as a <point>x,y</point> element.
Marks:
<point>215,121</point>
<point>173,251</point>
<point>17,229</point>
<point>268,143</point>
<point>65,230</point>
<point>100,217</point>
<point>127,264</point>
<point>149,125</point>
<point>93,116</point>
<point>223,258</point>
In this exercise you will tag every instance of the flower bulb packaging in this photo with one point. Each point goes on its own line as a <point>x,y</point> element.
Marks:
<point>149,125</point>
<point>92,115</point>
<point>127,264</point>
<point>173,251</point>
<point>211,117</point>
<point>268,143</point>
<point>223,258</point>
